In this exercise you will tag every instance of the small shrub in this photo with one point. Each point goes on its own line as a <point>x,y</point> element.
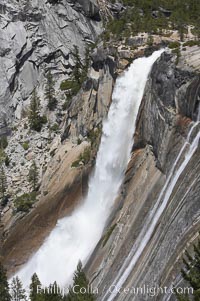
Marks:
<point>108,234</point>
<point>76,163</point>
<point>25,202</point>
<point>52,153</point>
<point>178,55</point>
<point>70,85</point>
<point>43,119</point>
<point>4,201</point>
<point>79,141</point>
<point>2,155</point>
<point>85,156</point>
<point>94,136</point>
<point>66,104</point>
<point>3,142</point>
<point>7,161</point>
<point>173,45</point>
<point>55,127</point>
<point>191,43</point>
<point>52,104</point>
<point>25,145</point>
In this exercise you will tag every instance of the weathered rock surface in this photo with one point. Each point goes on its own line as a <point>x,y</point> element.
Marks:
<point>162,127</point>
<point>170,91</point>
<point>36,36</point>
<point>61,185</point>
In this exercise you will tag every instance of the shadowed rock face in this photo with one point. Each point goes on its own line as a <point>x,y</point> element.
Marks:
<point>170,91</point>
<point>163,124</point>
<point>36,36</point>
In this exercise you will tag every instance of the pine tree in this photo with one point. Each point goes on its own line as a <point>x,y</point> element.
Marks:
<point>17,291</point>
<point>3,182</point>
<point>52,293</point>
<point>33,176</point>
<point>4,287</point>
<point>50,92</point>
<point>35,293</point>
<point>191,273</point>
<point>78,66</point>
<point>80,280</point>
<point>35,121</point>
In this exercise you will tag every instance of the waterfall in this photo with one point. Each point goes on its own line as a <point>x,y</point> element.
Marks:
<point>75,236</point>
<point>187,151</point>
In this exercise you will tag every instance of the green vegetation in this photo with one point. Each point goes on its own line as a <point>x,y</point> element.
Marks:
<point>55,127</point>
<point>4,287</point>
<point>66,104</point>
<point>3,183</point>
<point>94,136</point>
<point>173,45</point>
<point>35,120</point>
<point>79,74</point>
<point>33,176</point>
<point>71,85</point>
<point>108,234</point>
<point>25,145</point>
<point>191,274</point>
<point>25,202</point>
<point>3,142</point>
<point>84,158</point>
<point>51,293</point>
<point>2,156</point>
<point>50,92</point>
<point>7,161</point>
<point>80,281</point>
<point>17,292</point>
<point>154,16</point>
<point>191,43</point>
<point>178,54</point>
<point>43,119</point>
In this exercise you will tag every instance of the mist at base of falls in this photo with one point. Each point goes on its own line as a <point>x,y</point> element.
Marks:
<point>75,236</point>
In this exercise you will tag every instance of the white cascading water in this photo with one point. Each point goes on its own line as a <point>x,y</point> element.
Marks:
<point>188,151</point>
<point>75,237</point>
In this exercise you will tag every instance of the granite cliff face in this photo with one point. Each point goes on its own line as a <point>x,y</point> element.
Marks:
<point>80,130</point>
<point>168,112</point>
<point>37,36</point>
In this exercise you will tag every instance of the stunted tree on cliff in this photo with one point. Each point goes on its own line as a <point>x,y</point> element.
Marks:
<point>35,121</point>
<point>3,182</point>
<point>50,91</point>
<point>33,176</point>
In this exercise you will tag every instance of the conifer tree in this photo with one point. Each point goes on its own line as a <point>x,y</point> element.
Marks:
<point>78,65</point>
<point>35,293</point>
<point>4,287</point>
<point>17,291</point>
<point>191,274</point>
<point>3,182</point>
<point>80,280</point>
<point>50,92</point>
<point>35,121</point>
<point>53,293</point>
<point>33,176</point>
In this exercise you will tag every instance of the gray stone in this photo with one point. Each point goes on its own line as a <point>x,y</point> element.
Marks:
<point>36,36</point>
